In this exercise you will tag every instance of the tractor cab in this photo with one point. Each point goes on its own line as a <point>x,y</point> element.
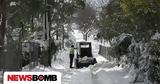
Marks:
<point>84,55</point>
<point>84,49</point>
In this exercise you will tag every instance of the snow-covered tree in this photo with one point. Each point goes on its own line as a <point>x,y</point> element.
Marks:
<point>86,19</point>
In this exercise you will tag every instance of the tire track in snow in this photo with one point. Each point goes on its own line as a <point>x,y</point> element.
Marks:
<point>68,75</point>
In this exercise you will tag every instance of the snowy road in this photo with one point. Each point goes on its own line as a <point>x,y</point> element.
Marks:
<point>104,72</point>
<point>101,73</point>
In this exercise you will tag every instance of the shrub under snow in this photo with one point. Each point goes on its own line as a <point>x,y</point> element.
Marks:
<point>143,58</point>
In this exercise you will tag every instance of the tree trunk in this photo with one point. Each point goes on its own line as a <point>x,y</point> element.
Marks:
<point>49,42</point>
<point>32,23</point>
<point>63,36</point>
<point>2,27</point>
<point>3,23</point>
<point>57,34</point>
<point>85,36</point>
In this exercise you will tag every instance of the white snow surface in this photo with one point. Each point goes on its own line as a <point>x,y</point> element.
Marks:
<point>104,72</point>
<point>156,36</point>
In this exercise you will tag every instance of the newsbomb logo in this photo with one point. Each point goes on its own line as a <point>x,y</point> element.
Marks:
<point>45,77</point>
<point>32,78</point>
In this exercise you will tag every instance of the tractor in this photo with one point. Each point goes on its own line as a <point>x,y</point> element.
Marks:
<point>84,56</point>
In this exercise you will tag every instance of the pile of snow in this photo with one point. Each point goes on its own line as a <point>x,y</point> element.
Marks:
<point>1,77</point>
<point>86,59</point>
<point>42,43</point>
<point>156,36</point>
<point>121,38</point>
<point>62,60</point>
<point>109,73</point>
<point>13,3</point>
<point>83,77</point>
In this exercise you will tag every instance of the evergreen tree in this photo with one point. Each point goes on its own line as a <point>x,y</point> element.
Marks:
<point>140,18</point>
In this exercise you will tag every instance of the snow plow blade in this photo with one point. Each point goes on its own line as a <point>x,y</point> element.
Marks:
<point>85,63</point>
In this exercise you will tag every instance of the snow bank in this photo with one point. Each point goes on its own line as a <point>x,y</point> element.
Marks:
<point>83,77</point>
<point>102,66</point>
<point>12,3</point>
<point>111,76</point>
<point>109,73</point>
<point>62,60</point>
<point>156,36</point>
<point>1,77</point>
